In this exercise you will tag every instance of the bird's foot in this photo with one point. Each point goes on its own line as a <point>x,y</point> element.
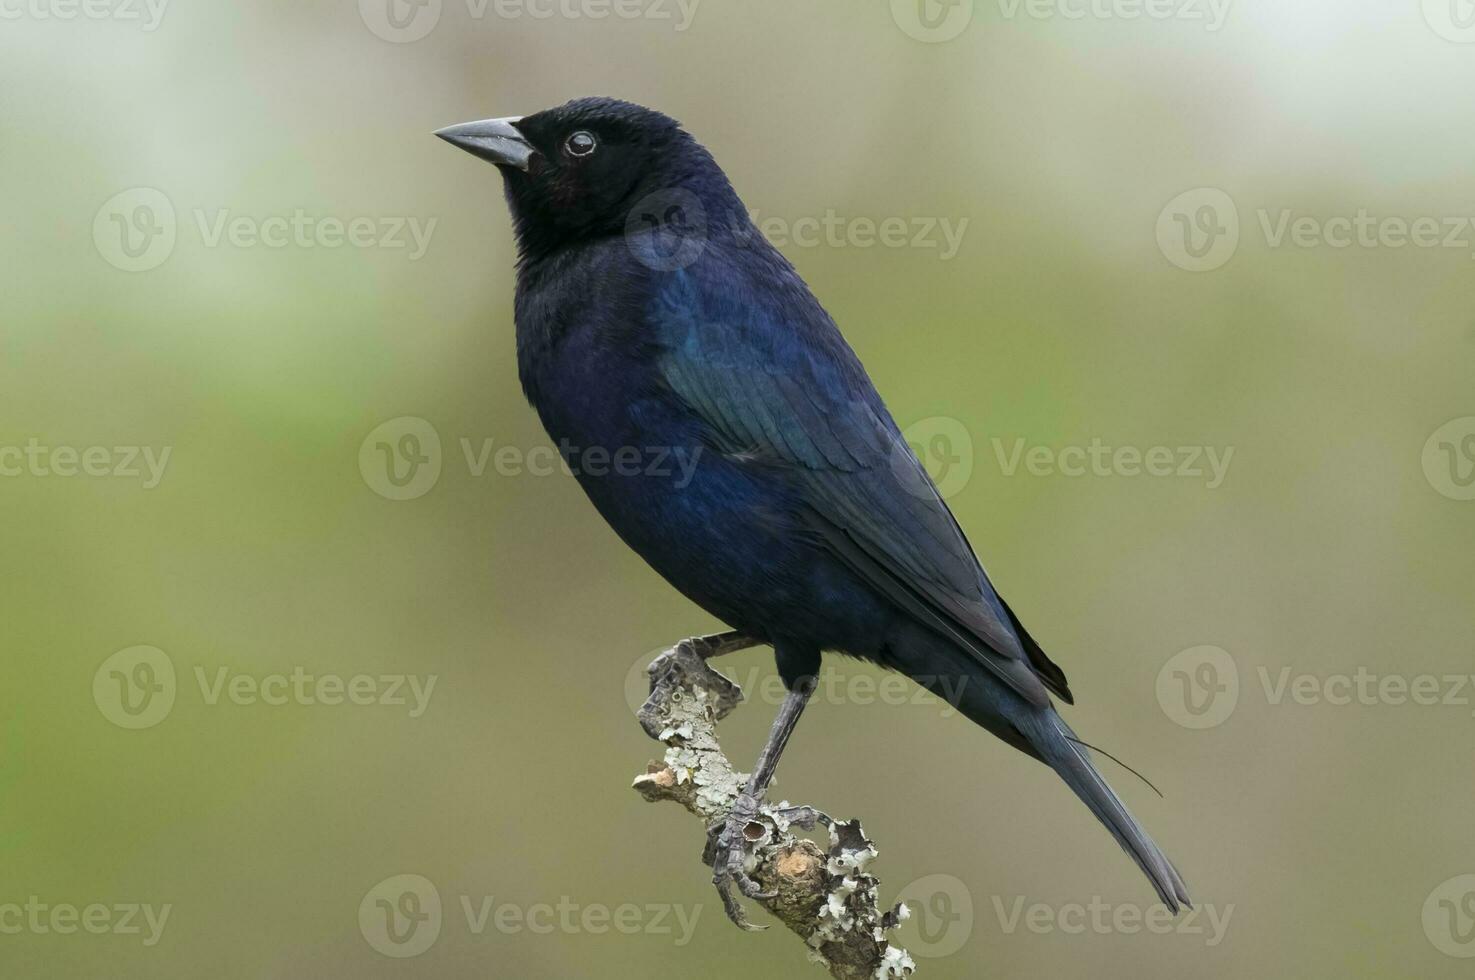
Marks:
<point>719,644</point>
<point>803,817</point>
<point>727,852</point>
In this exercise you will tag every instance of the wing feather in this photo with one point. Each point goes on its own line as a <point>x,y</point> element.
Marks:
<point>794,393</point>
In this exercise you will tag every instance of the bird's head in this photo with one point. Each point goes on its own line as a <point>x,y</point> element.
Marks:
<point>585,169</point>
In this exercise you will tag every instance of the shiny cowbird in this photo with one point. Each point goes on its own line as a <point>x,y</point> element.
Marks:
<point>655,323</point>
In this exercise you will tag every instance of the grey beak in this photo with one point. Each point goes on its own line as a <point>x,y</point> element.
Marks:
<point>496,140</point>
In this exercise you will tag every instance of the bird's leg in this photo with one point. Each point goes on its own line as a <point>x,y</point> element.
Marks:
<point>728,848</point>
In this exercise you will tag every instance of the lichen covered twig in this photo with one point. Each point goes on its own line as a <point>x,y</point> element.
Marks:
<point>825,896</point>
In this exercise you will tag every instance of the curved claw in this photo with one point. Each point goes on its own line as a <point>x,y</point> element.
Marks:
<point>728,850</point>
<point>745,883</point>
<point>732,906</point>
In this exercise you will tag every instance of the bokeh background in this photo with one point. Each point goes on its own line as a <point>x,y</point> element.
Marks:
<point>1090,297</point>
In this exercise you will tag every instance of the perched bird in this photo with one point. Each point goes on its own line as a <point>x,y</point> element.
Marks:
<point>653,319</point>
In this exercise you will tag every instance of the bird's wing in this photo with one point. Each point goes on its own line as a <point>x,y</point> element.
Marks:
<point>786,391</point>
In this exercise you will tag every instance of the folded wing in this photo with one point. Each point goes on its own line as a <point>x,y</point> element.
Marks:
<point>789,394</point>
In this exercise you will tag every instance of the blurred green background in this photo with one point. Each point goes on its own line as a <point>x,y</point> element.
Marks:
<point>1333,835</point>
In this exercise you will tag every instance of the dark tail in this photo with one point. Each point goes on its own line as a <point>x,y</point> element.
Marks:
<point>1051,738</point>
<point>1039,732</point>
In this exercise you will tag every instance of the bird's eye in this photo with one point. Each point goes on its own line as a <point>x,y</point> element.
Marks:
<point>580,144</point>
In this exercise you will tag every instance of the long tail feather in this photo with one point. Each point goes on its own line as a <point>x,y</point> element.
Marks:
<point>1056,744</point>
